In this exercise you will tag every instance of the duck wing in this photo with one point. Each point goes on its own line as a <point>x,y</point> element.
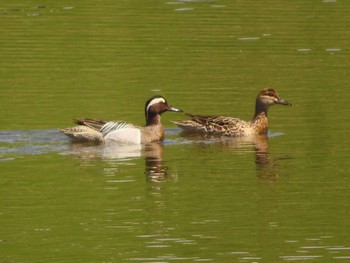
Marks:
<point>91,123</point>
<point>121,132</point>
<point>111,126</point>
<point>218,120</point>
<point>214,124</point>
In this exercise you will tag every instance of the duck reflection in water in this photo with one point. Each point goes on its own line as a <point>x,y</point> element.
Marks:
<point>156,171</point>
<point>115,155</point>
<point>266,165</point>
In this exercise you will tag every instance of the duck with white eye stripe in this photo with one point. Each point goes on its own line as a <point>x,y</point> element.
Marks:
<point>99,131</point>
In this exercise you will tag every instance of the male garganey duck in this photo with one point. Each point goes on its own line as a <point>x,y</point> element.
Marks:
<point>229,126</point>
<point>99,131</point>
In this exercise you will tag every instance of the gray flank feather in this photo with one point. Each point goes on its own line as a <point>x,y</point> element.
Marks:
<point>112,126</point>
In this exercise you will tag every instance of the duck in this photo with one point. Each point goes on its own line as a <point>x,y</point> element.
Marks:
<point>100,131</point>
<point>235,127</point>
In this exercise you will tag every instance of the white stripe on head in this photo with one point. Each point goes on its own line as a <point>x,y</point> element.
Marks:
<point>155,101</point>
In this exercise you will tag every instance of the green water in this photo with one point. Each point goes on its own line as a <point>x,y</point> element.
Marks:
<point>191,199</point>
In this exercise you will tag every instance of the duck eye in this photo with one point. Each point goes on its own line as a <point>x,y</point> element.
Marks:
<point>270,94</point>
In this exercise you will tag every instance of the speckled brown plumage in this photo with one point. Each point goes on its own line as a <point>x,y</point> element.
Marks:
<point>229,126</point>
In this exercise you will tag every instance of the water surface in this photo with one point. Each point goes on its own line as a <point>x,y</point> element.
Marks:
<point>192,198</point>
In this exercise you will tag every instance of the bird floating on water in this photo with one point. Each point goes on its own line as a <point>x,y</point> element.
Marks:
<point>99,131</point>
<point>234,127</point>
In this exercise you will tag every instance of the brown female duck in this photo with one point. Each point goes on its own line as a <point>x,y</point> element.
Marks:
<point>229,126</point>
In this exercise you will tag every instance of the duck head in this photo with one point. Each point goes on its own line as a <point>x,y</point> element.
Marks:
<point>154,107</point>
<point>266,98</point>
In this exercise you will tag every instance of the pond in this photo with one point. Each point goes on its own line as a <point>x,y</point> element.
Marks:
<point>192,198</point>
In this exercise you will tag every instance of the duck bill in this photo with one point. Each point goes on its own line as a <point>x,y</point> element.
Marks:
<point>171,108</point>
<point>283,102</point>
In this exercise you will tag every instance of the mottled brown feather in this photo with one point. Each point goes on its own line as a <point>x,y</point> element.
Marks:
<point>229,126</point>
